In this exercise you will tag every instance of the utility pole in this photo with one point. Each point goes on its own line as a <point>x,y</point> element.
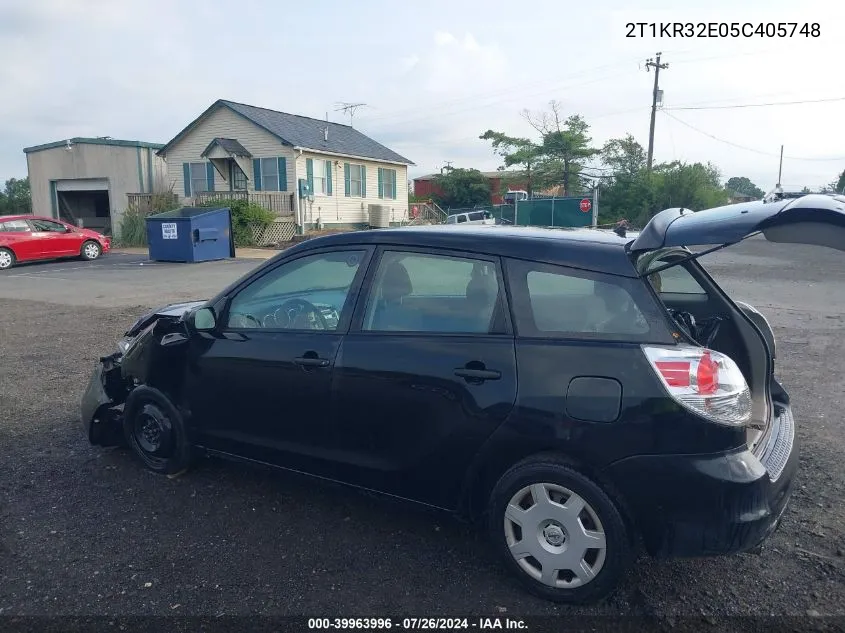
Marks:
<point>780,166</point>
<point>650,63</point>
<point>446,167</point>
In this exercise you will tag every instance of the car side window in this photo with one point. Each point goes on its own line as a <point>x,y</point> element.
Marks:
<point>307,293</point>
<point>14,226</point>
<point>421,292</point>
<point>554,301</point>
<point>462,218</point>
<point>48,226</point>
<point>674,280</point>
<point>477,215</point>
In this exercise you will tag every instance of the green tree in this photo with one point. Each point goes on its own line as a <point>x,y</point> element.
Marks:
<point>741,184</point>
<point>16,197</point>
<point>565,147</point>
<point>625,156</point>
<point>840,184</point>
<point>640,195</point>
<point>462,188</point>
<point>515,151</point>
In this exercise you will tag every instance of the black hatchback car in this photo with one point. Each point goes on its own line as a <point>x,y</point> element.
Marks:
<point>579,392</point>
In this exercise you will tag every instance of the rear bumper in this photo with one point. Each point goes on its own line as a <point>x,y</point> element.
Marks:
<point>710,505</point>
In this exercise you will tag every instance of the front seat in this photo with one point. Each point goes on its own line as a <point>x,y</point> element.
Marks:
<point>390,313</point>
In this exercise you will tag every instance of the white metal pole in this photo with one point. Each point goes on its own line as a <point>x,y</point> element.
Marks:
<point>595,206</point>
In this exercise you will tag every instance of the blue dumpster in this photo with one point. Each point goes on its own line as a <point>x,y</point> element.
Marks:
<point>191,234</point>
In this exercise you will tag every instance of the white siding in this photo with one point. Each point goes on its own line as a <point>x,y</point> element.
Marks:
<point>126,168</point>
<point>340,209</point>
<point>223,123</point>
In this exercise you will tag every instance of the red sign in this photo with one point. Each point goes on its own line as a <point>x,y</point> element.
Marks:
<point>586,205</point>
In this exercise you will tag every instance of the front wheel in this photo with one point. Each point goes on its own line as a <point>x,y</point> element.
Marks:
<point>155,431</point>
<point>7,258</point>
<point>90,250</point>
<point>559,532</point>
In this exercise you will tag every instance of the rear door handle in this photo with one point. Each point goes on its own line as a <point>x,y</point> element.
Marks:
<point>310,361</point>
<point>478,374</point>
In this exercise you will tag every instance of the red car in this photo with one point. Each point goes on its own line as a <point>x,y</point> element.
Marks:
<point>25,238</point>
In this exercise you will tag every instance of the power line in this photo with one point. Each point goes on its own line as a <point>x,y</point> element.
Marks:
<point>757,105</point>
<point>748,149</point>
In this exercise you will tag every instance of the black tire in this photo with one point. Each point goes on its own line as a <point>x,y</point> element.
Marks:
<point>86,252</point>
<point>7,259</point>
<point>618,546</point>
<point>155,431</point>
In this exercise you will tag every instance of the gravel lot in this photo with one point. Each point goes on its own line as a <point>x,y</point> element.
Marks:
<point>86,531</point>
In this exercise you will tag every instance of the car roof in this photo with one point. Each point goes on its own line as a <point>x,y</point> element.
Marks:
<point>585,248</point>
<point>25,216</point>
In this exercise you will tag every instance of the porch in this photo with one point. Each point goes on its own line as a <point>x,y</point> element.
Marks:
<point>280,204</point>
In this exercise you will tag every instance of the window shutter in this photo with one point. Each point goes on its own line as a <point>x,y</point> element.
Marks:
<point>256,172</point>
<point>231,176</point>
<point>329,177</point>
<point>363,181</point>
<point>346,178</point>
<point>380,182</point>
<point>209,175</point>
<point>395,185</point>
<point>309,174</point>
<point>186,174</point>
<point>283,174</point>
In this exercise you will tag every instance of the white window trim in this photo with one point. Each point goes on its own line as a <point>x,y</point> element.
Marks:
<point>315,163</point>
<point>360,180</point>
<point>194,190</point>
<point>384,171</point>
<point>264,188</point>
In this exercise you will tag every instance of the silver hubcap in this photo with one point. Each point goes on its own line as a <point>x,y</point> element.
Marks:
<point>5,259</point>
<point>92,251</point>
<point>555,536</point>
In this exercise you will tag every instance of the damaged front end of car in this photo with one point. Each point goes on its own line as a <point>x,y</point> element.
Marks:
<point>150,353</point>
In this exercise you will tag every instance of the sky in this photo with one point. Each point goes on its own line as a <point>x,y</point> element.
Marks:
<point>434,76</point>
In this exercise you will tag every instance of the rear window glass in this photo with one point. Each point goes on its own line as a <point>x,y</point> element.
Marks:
<point>14,226</point>
<point>674,280</point>
<point>554,301</point>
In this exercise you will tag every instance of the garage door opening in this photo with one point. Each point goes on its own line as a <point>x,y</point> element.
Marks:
<point>89,209</point>
<point>85,203</point>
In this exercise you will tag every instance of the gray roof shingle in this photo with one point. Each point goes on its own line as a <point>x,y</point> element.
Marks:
<point>305,132</point>
<point>230,145</point>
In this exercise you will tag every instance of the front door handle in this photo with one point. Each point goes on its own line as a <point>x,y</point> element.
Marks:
<point>478,374</point>
<point>311,361</point>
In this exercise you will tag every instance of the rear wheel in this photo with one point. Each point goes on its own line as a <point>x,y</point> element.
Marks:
<point>7,258</point>
<point>90,250</point>
<point>155,431</point>
<point>559,532</point>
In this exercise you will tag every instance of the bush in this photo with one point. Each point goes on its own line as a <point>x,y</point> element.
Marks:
<point>133,228</point>
<point>246,217</point>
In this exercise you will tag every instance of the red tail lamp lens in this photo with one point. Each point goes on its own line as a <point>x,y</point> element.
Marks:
<point>676,373</point>
<point>707,375</point>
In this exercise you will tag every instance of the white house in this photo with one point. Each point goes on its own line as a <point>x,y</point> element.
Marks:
<point>313,171</point>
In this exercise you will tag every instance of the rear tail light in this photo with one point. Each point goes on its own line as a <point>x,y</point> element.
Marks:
<point>704,381</point>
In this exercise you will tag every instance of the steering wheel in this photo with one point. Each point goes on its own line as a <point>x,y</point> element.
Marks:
<point>293,308</point>
<point>247,318</point>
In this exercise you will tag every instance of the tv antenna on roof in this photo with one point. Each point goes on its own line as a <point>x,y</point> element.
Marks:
<point>350,109</point>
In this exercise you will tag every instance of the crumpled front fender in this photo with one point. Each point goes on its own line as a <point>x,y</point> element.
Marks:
<point>100,408</point>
